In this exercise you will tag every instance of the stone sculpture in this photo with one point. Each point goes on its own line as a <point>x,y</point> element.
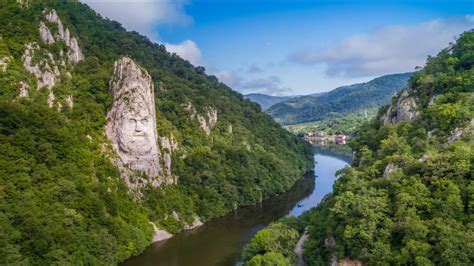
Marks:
<point>131,125</point>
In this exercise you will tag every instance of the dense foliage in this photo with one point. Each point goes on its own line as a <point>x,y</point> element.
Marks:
<point>274,245</point>
<point>408,198</point>
<point>63,202</point>
<point>337,124</point>
<point>340,101</point>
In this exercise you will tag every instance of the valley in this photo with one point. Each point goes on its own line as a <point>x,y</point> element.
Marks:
<point>122,143</point>
<point>220,241</point>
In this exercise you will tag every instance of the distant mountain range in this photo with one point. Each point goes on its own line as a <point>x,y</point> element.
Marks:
<point>265,100</point>
<point>343,100</point>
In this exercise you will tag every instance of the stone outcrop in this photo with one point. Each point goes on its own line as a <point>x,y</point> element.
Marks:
<point>424,157</point>
<point>159,234</point>
<point>46,34</point>
<point>167,146</point>
<point>4,63</point>
<point>24,90</point>
<point>196,223</point>
<point>131,128</point>
<point>206,122</point>
<point>74,54</point>
<point>69,101</point>
<point>47,69</point>
<point>459,132</point>
<point>405,110</point>
<point>24,3</point>
<point>391,167</point>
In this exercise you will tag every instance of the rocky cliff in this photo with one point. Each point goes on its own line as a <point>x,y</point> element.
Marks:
<point>108,140</point>
<point>131,126</point>
<point>404,110</point>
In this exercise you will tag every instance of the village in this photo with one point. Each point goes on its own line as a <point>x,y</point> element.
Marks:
<point>322,138</point>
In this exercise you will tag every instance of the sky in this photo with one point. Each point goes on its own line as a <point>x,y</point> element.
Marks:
<point>296,47</point>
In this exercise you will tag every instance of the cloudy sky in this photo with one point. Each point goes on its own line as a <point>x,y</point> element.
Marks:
<point>294,47</point>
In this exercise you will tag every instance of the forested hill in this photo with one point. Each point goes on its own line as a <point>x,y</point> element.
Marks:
<point>264,100</point>
<point>340,101</point>
<point>63,200</point>
<point>408,198</point>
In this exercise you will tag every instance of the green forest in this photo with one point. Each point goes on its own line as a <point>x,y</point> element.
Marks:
<point>408,198</point>
<point>62,202</point>
<point>338,103</point>
<point>339,124</point>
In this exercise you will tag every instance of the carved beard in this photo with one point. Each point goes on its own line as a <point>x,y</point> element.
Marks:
<point>139,145</point>
<point>132,141</point>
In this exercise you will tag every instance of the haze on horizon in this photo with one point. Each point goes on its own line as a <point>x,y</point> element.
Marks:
<point>296,47</point>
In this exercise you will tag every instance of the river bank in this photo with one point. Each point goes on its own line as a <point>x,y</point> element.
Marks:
<point>220,241</point>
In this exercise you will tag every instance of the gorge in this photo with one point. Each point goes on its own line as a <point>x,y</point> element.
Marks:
<point>114,150</point>
<point>220,241</point>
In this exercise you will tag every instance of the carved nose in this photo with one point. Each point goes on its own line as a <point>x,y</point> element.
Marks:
<point>138,127</point>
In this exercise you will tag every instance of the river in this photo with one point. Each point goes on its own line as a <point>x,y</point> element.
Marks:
<point>220,241</point>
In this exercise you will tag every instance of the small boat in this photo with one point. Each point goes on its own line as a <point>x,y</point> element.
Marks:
<point>299,205</point>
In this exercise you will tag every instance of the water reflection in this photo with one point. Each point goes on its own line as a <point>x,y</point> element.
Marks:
<point>220,241</point>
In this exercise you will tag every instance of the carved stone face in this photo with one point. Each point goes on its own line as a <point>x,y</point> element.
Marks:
<point>131,126</point>
<point>135,127</point>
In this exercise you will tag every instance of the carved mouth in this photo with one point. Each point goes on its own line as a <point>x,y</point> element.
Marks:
<point>139,134</point>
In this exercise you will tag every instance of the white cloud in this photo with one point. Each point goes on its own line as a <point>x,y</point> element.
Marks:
<point>142,15</point>
<point>388,50</point>
<point>187,50</point>
<point>271,85</point>
<point>228,77</point>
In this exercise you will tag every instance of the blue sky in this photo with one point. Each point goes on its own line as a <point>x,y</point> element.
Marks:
<point>296,47</point>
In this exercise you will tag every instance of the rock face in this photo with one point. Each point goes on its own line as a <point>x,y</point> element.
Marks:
<point>205,123</point>
<point>69,101</point>
<point>167,146</point>
<point>160,235</point>
<point>24,93</point>
<point>131,127</point>
<point>74,54</point>
<point>459,132</point>
<point>4,63</point>
<point>196,223</point>
<point>391,167</point>
<point>47,69</point>
<point>46,34</point>
<point>23,3</point>
<point>405,110</point>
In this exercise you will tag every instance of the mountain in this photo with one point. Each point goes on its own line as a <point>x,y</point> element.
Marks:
<point>343,100</point>
<point>264,100</point>
<point>108,142</point>
<point>408,198</point>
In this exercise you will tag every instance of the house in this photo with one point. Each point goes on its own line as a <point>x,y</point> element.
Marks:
<point>340,139</point>
<point>320,134</point>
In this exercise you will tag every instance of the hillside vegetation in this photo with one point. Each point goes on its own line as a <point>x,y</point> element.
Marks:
<point>408,197</point>
<point>62,201</point>
<point>353,99</point>
<point>265,101</point>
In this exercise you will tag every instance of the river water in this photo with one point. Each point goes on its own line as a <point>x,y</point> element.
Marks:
<point>220,241</point>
